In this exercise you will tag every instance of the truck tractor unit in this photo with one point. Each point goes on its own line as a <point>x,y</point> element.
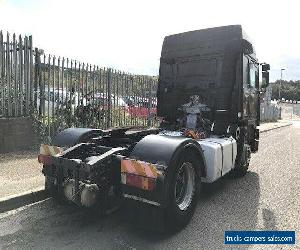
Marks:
<point>209,104</point>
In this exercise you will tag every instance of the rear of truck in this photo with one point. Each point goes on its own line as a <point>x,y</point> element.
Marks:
<point>209,112</point>
<point>146,168</point>
<point>95,164</point>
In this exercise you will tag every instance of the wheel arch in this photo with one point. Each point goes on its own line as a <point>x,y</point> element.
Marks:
<point>166,150</point>
<point>72,136</point>
<point>197,152</point>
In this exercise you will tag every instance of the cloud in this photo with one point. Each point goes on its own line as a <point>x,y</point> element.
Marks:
<point>128,34</point>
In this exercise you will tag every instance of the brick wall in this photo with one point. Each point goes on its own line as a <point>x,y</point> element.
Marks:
<point>16,134</point>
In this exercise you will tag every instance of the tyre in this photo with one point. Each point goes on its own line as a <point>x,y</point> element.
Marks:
<point>242,162</point>
<point>183,188</point>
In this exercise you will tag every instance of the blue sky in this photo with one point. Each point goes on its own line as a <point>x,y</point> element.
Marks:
<point>128,35</point>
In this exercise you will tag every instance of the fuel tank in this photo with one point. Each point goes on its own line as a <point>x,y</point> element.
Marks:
<point>219,154</point>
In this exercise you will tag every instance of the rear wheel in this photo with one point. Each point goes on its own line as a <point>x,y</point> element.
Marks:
<point>184,185</point>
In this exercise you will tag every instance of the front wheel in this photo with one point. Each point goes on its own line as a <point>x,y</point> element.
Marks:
<point>182,193</point>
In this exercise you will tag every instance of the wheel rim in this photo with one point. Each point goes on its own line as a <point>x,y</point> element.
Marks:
<point>184,186</point>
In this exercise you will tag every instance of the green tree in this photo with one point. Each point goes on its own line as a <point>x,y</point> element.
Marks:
<point>290,90</point>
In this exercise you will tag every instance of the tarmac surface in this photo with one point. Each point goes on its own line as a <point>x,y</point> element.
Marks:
<point>267,198</point>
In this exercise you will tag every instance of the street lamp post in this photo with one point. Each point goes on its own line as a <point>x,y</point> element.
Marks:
<point>279,90</point>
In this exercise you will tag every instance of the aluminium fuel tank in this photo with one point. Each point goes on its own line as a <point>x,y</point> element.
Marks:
<point>220,154</point>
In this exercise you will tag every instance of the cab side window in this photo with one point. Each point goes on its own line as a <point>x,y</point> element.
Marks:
<point>245,71</point>
<point>253,75</point>
<point>250,73</point>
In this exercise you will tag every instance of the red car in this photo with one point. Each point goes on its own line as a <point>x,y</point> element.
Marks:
<point>140,107</point>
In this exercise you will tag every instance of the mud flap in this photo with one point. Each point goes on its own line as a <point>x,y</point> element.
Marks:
<point>144,216</point>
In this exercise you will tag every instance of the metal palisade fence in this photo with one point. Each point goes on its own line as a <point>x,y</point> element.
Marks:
<point>16,75</point>
<point>60,92</point>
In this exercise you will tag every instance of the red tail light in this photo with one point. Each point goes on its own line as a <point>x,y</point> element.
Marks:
<point>45,159</point>
<point>141,182</point>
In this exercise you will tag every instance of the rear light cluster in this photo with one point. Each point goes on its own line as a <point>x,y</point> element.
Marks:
<point>44,159</point>
<point>138,181</point>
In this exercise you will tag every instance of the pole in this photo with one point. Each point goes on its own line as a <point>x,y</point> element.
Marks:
<point>280,85</point>
<point>279,90</point>
<point>109,113</point>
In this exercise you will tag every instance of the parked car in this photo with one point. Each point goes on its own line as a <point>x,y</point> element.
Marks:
<point>139,107</point>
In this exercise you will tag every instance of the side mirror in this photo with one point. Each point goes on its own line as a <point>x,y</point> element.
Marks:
<point>265,79</point>
<point>265,67</point>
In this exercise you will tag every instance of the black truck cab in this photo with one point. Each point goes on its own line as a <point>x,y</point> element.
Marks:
<point>220,66</point>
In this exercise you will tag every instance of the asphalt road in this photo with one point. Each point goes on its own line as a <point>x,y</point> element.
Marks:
<point>266,199</point>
